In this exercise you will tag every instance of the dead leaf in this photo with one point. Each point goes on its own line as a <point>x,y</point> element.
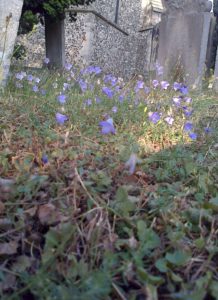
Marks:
<point>31,211</point>
<point>8,282</point>
<point>5,224</point>
<point>2,207</point>
<point>48,214</point>
<point>8,248</point>
<point>133,243</point>
<point>6,182</point>
<point>22,263</point>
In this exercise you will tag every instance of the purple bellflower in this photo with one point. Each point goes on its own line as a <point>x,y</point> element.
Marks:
<point>107,92</point>
<point>19,76</point>
<point>83,85</point>
<point>114,109</point>
<point>159,69</point>
<point>164,85</point>
<point>30,77</point>
<point>37,79</point>
<point>154,117</point>
<point>98,100</point>
<point>147,90</point>
<point>208,130</point>
<point>60,118</point>
<point>35,88</point>
<point>184,89</point>
<point>107,126</point>
<point>177,101</point>
<point>155,83</point>
<point>121,98</point>
<point>88,102</point>
<point>188,100</point>
<point>62,99</point>
<point>193,135</point>
<point>46,61</point>
<point>139,85</point>
<point>97,70</point>
<point>66,86</point>
<point>188,126</point>
<point>169,120</point>
<point>43,92</point>
<point>68,66</point>
<point>176,86</point>
<point>44,159</point>
<point>187,111</point>
<point>131,163</point>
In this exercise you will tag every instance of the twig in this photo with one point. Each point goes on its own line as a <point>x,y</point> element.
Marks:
<point>84,187</point>
<point>119,294</point>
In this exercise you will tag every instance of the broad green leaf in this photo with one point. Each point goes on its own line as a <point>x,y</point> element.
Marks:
<point>145,276</point>
<point>176,277</point>
<point>122,203</point>
<point>214,289</point>
<point>200,243</point>
<point>178,258</point>
<point>161,265</point>
<point>214,204</point>
<point>151,292</point>
<point>147,236</point>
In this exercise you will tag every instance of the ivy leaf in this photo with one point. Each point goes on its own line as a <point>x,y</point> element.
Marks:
<point>161,265</point>
<point>214,204</point>
<point>145,276</point>
<point>175,277</point>
<point>147,236</point>
<point>178,258</point>
<point>122,204</point>
<point>214,289</point>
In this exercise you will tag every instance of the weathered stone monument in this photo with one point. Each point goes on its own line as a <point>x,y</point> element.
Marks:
<point>215,85</point>
<point>10,12</point>
<point>152,11</point>
<point>183,42</point>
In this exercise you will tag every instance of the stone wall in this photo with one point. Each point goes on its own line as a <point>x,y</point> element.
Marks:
<point>34,43</point>
<point>91,40</point>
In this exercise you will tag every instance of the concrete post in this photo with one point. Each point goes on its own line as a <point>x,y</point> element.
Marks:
<point>55,42</point>
<point>10,12</point>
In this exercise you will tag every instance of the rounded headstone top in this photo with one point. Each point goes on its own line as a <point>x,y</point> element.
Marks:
<point>188,5</point>
<point>208,6</point>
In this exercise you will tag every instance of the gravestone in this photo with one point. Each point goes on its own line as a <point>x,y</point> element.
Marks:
<point>215,86</point>
<point>152,11</point>
<point>183,40</point>
<point>10,12</point>
<point>55,42</point>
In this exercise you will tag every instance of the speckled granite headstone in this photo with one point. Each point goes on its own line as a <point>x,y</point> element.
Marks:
<point>183,40</point>
<point>10,12</point>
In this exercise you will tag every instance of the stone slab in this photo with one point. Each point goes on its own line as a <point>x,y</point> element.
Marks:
<point>182,45</point>
<point>10,12</point>
<point>215,86</point>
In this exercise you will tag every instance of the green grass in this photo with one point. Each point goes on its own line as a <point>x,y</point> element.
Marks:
<point>82,227</point>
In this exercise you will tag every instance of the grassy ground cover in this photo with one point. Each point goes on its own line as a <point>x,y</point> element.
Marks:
<point>108,190</point>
